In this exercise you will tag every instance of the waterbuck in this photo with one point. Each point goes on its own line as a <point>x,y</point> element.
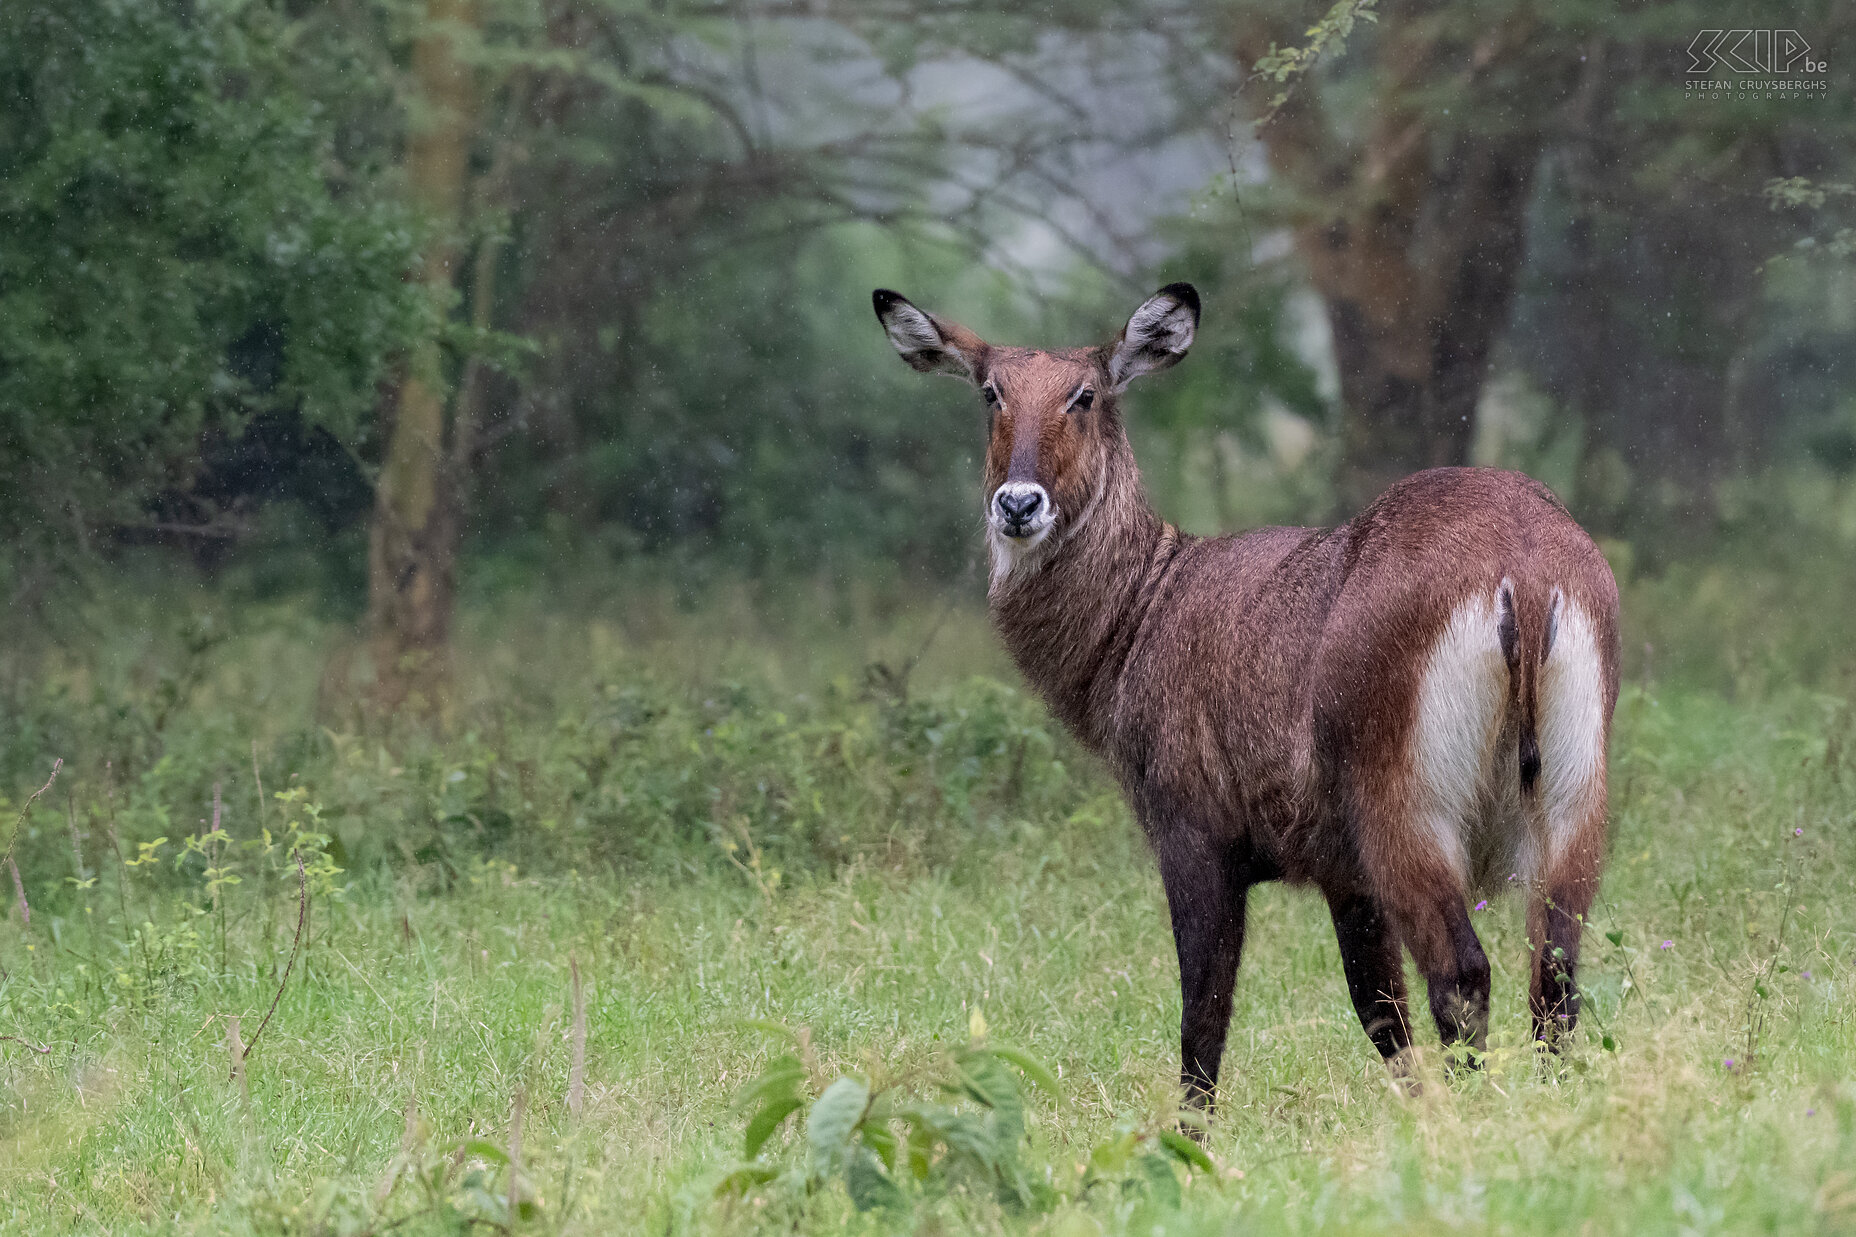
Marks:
<point>1406,711</point>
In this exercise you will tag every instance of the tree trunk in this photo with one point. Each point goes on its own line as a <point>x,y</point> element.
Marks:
<point>1417,294</point>
<point>1414,240</point>
<point>412,547</point>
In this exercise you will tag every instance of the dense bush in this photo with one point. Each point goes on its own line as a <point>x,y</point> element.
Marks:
<point>622,769</point>
<point>178,256</point>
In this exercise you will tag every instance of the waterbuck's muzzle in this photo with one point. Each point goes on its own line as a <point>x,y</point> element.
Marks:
<point>1021,509</point>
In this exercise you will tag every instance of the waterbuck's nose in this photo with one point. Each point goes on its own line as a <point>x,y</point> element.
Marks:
<point>1019,503</point>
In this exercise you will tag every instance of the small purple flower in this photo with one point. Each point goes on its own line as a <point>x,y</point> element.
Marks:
<point>1810,1112</point>
<point>1728,1062</point>
<point>1669,944</point>
<point>1797,833</point>
<point>1806,974</point>
<point>1483,905</point>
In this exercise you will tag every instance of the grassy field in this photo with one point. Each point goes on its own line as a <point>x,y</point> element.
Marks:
<point>729,830</point>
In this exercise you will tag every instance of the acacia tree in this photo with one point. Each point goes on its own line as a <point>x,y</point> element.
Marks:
<point>1409,205</point>
<point>1654,310</point>
<point>653,142</point>
<point>1412,157</point>
<point>413,543</point>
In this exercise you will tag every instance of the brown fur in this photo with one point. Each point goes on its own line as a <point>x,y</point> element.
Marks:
<point>1257,695</point>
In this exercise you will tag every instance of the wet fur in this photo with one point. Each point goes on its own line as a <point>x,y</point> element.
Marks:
<point>1381,710</point>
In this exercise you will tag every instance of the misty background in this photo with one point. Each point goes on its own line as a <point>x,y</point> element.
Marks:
<point>388,308</point>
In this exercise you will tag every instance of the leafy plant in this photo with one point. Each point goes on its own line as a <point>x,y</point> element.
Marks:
<point>1144,1158</point>
<point>889,1146</point>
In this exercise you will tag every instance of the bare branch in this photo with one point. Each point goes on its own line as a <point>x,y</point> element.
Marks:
<point>302,917</point>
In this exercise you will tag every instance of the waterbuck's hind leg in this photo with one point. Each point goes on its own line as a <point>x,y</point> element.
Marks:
<point>1577,685</point>
<point>1556,912</point>
<point>1206,896</point>
<point>1374,963</point>
<point>1435,927</point>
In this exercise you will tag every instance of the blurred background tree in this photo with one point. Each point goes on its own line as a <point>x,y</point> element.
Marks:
<point>189,277</point>
<point>581,285</point>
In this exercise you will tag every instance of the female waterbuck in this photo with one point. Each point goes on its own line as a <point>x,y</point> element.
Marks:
<point>1405,712</point>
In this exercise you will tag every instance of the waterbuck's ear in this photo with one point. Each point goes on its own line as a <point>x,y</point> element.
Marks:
<point>1156,336</point>
<point>926,342</point>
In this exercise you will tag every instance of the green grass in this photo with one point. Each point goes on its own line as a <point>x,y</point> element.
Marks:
<point>724,824</point>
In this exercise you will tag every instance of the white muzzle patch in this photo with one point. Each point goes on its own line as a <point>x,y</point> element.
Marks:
<point>1019,518</point>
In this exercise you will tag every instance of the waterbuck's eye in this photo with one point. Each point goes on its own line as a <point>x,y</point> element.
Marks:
<point>990,395</point>
<point>1084,401</point>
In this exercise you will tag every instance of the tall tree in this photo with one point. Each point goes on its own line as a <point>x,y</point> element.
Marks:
<point>1649,310</point>
<point>1410,208</point>
<point>413,544</point>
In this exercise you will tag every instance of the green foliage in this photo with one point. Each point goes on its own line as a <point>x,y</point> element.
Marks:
<point>890,1146</point>
<point>1144,1159</point>
<point>1802,193</point>
<point>177,258</point>
<point>383,1095</point>
<point>1285,65</point>
<point>147,931</point>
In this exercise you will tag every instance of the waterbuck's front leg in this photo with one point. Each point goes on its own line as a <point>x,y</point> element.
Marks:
<point>1374,962</point>
<point>1206,891</point>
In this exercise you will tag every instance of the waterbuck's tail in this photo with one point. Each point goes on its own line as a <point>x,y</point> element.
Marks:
<point>1529,618</point>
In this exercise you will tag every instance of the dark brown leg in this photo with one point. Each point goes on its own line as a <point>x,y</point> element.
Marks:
<point>1374,962</point>
<point>1206,896</point>
<point>1435,927</point>
<point>1555,923</point>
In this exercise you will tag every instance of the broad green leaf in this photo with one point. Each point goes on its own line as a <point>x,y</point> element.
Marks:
<point>881,1139</point>
<point>483,1148</point>
<point>1030,1067</point>
<point>1186,1151</point>
<point>782,1078</point>
<point>984,1078</point>
<point>767,1120</point>
<point>837,1114</point>
<point>869,1186</point>
<point>968,1136</point>
<point>921,1150</point>
<point>1162,1185</point>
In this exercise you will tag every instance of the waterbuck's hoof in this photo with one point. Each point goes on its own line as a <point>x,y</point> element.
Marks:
<point>1462,1060</point>
<point>1195,1119</point>
<point>1402,1071</point>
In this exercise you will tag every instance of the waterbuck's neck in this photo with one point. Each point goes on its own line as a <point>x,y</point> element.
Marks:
<point>1070,612</point>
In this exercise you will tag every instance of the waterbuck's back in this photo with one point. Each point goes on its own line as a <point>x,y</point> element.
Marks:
<point>1280,677</point>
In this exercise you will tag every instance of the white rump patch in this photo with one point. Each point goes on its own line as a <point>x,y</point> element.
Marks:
<point>1465,753</point>
<point>1571,720</point>
<point>1460,702</point>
